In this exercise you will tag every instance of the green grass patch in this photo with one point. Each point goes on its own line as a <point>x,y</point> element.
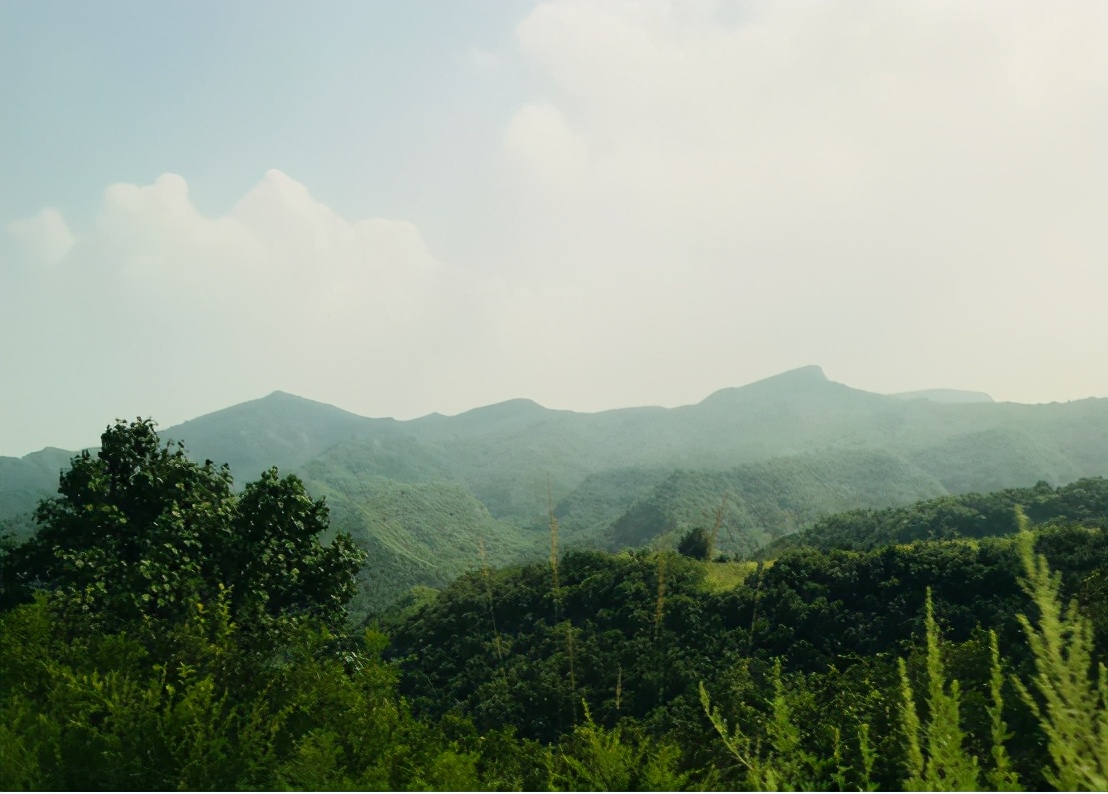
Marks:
<point>723,576</point>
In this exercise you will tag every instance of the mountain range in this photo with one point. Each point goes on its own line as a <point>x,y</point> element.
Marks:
<point>433,496</point>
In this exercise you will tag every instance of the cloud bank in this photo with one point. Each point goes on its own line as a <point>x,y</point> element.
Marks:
<point>158,305</point>
<point>910,194</point>
<point>905,192</point>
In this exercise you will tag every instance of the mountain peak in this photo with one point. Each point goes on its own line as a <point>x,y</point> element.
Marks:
<point>520,406</point>
<point>812,373</point>
<point>282,395</point>
<point>797,380</point>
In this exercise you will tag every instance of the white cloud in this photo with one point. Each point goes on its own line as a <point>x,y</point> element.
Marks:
<point>277,241</point>
<point>885,188</point>
<point>44,238</point>
<point>178,312</point>
<point>539,139</point>
<point>697,194</point>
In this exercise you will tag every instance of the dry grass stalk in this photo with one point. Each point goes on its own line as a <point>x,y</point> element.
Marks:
<point>570,648</point>
<point>659,607</point>
<point>757,593</point>
<point>716,527</point>
<point>487,576</point>
<point>553,547</point>
<point>557,592</point>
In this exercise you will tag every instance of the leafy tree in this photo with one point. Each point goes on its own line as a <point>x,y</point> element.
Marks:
<point>139,533</point>
<point>697,544</point>
<point>274,558</point>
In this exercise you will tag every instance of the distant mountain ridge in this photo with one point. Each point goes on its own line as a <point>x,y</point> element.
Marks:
<point>946,396</point>
<point>785,450</point>
<point>280,430</point>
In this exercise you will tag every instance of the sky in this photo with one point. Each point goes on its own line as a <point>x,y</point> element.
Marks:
<point>400,208</point>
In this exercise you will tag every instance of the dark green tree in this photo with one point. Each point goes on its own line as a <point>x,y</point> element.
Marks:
<point>140,533</point>
<point>274,559</point>
<point>697,544</point>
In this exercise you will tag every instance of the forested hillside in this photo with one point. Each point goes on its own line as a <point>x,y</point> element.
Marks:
<point>420,533</point>
<point>965,516</point>
<point>766,460</point>
<point>833,625</point>
<point>760,501</point>
<point>165,629</point>
<point>25,481</point>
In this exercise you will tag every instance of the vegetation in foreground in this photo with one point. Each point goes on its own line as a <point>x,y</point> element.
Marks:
<point>161,631</point>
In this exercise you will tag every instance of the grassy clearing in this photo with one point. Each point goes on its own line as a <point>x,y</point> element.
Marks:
<point>723,576</point>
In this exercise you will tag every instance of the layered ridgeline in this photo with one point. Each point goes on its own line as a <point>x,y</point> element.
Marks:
<point>751,463</point>
<point>23,482</point>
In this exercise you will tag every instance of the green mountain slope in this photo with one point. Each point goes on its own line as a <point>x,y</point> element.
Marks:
<point>279,430</point>
<point>769,499</point>
<point>787,449</point>
<point>994,459</point>
<point>24,481</point>
<point>590,509</point>
<point>973,515</point>
<point>419,534</point>
<point>507,453</point>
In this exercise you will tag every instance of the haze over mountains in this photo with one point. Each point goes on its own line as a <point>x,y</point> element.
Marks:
<point>762,460</point>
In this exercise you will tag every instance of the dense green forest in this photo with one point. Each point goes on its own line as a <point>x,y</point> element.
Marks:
<point>163,628</point>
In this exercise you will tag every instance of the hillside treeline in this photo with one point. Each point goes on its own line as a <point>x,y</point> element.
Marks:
<point>762,461</point>
<point>972,515</point>
<point>162,630</point>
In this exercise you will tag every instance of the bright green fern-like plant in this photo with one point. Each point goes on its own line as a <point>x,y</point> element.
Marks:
<point>1002,777</point>
<point>780,763</point>
<point>1069,692</point>
<point>942,764</point>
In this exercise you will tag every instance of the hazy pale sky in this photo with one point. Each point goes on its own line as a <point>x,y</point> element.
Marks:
<point>402,207</point>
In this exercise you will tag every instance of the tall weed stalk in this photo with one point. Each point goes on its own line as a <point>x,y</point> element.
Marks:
<point>557,594</point>
<point>497,644</point>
